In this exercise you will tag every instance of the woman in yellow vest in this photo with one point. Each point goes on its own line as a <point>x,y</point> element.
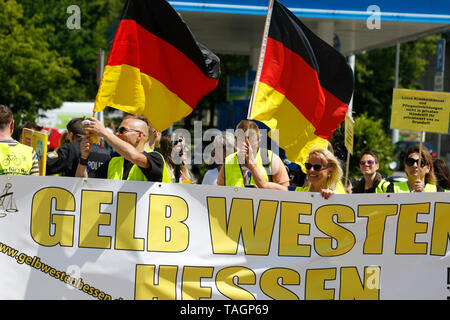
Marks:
<point>419,171</point>
<point>251,162</point>
<point>323,174</point>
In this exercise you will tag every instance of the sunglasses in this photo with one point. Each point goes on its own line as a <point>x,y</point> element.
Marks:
<point>410,162</point>
<point>316,167</point>
<point>369,162</point>
<point>122,130</point>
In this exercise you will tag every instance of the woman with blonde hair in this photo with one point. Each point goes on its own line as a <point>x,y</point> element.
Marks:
<point>323,173</point>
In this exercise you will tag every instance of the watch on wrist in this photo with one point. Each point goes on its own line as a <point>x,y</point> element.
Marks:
<point>83,161</point>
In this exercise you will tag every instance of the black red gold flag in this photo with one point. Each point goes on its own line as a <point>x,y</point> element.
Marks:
<point>156,68</point>
<point>303,85</point>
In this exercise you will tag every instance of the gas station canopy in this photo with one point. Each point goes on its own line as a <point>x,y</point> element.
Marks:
<point>236,26</point>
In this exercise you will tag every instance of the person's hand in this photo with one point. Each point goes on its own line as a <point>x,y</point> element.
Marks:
<point>326,193</point>
<point>85,147</point>
<point>249,154</point>
<point>240,148</point>
<point>419,186</point>
<point>95,127</point>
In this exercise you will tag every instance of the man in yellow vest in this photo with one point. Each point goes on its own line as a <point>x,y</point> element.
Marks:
<point>237,171</point>
<point>132,162</point>
<point>15,158</point>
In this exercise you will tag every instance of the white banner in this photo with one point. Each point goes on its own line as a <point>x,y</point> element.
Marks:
<point>71,238</point>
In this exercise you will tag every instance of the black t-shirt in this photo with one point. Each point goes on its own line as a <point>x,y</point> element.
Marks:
<point>152,173</point>
<point>359,185</point>
<point>65,160</point>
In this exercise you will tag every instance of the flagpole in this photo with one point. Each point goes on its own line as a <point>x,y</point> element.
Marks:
<point>420,151</point>
<point>347,168</point>
<point>262,53</point>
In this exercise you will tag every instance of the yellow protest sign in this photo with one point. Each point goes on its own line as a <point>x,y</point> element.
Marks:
<point>420,110</point>
<point>38,141</point>
<point>349,122</point>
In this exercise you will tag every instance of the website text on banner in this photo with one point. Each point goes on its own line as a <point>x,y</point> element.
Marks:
<point>73,238</point>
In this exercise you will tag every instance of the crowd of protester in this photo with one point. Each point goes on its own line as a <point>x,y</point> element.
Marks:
<point>136,151</point>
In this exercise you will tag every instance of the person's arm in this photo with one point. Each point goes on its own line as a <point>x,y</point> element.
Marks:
<point>57,160</point>
<point>221,176</point>
<point>279,172</point>
<point>257,175</point>
<point>123,148</point>
<point>85,150</point>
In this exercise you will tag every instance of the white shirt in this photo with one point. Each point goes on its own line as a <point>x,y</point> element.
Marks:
<point>210,176</point>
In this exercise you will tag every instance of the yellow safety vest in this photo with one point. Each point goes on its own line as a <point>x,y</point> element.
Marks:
<point>16,160</point>
<point>115,170</point>
<point>382,186</point>
<point>402,186</point>
<point>233,172</point>
<point>339,190</point>
<point>165,173</point>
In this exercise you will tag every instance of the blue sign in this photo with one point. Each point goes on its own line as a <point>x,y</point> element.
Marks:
<point>430,11</point>
<point>237,88</point>
<point>251,75</point>
<point>440,56</point>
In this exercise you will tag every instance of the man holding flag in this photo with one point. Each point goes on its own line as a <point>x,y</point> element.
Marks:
<point>303,85</point>
<point>133,162</point>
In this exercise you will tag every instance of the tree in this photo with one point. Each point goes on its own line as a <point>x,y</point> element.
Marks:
<point>32,75</point>
<point>368,136</point>
<point>81,43</point>
<point>375,76</point>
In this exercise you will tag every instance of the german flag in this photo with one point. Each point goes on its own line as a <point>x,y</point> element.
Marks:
<point>156,68</point>
<point>303,86</point>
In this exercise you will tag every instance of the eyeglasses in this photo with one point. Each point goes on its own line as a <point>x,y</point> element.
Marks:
<point>410,162</point>
<point>177,141</point>
<point>122,130</point>
<point>369,162</point>
<point>316,167</point>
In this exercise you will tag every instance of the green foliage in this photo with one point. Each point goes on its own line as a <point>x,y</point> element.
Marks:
<point>32,75</point>
<point>43,62</point>
<point>368,136</point>
<point>375,75</point>
<point>81,45</point>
